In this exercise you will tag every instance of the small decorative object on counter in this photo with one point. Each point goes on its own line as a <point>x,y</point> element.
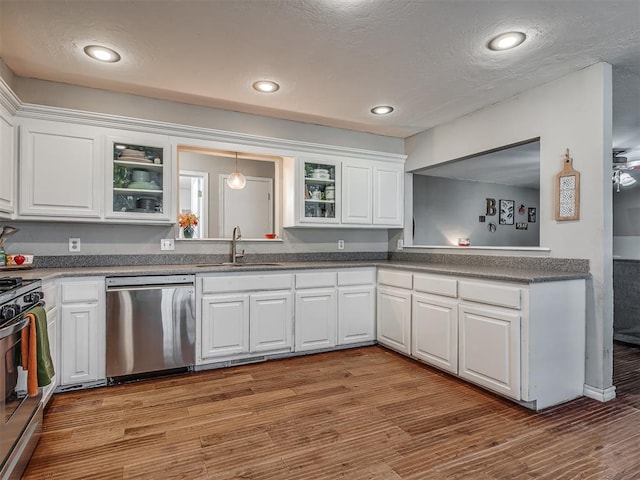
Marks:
<point>188,222</point>
<point>463,242</point>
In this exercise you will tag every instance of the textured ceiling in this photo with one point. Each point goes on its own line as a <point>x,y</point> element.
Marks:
<point>334,59</point>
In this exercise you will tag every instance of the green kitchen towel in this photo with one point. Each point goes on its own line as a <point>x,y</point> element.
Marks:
<point>45,364</point>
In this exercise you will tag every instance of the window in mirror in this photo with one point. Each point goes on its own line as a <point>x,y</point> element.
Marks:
<point>205,192</point>
<point>461,199</point>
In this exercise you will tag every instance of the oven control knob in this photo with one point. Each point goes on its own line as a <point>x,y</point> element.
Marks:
<point>9,311</point>
<point>33,297</point>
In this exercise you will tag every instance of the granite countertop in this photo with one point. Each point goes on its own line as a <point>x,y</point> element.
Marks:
<point>510,274</point>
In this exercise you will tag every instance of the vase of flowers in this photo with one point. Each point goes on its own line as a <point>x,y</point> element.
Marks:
<point>188,223</point>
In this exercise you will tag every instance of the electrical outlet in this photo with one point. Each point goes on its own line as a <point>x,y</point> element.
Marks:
<point>400,244</point>
<point>167,244</point>
<point>74,245</point>
<point>340,244</point>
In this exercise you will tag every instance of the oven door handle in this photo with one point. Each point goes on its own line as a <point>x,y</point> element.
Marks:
<point>15,327</point>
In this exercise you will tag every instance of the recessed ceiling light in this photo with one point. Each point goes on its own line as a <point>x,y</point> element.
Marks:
<point>102,54</point>
<point>382,110</point>
<point>506,41</point>
<point>266,86</point>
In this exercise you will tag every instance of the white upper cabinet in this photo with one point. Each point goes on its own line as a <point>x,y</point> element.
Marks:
<point>138,177</point>
<point>357,192</point>
<point>60,174</point>
<point>7,164</point>
<point>388,194</point>
<point>343,192</point>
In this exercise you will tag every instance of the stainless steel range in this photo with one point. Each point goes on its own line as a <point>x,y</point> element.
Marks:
<point>20,415</point>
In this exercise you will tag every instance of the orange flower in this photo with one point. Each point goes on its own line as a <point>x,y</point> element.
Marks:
<point>187,220</point>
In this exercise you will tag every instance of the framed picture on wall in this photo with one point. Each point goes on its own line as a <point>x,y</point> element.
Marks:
<point>531,215</point>
<point>506,212</point>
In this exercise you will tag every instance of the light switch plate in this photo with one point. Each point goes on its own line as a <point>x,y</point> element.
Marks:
<point>167,244</point>
<point>400,244</point>
<point>340,244</point>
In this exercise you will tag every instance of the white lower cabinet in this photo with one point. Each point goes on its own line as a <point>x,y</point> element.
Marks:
<point>316,319</point>
<point>82,331</point>
<point>522,341</point>
<point>356,314</point>
<point>394,318</point>
<point>271,321</point>
<point>243,316</point>
<point>225,325</point>
<point>434,336</point>
<point>489,345</point>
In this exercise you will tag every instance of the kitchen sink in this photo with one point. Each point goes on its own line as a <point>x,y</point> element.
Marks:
<point>246,264</point>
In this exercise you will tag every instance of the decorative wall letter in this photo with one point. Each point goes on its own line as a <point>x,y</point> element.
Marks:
<point>491,207</point>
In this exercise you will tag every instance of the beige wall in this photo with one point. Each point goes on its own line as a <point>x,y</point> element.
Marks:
<point>574,112</point>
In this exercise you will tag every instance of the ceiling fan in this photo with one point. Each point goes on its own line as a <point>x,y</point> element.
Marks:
<point>622,163</point>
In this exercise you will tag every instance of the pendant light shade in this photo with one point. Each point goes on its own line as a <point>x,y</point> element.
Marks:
<point>236,180</point>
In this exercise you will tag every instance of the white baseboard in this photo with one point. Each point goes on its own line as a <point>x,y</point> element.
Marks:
<point>602,395</point>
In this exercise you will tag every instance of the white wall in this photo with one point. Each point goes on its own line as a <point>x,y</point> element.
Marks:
<point>573,112</point>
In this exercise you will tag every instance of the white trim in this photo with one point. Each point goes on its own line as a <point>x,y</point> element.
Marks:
<point>602,395</point>
<point>42,112</point>
<point>8,99</point>
<point>455,247</point>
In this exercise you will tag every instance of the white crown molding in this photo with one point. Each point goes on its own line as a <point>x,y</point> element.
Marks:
<point>600,394</point>
<point>59,114</point>
<point>8,99</point>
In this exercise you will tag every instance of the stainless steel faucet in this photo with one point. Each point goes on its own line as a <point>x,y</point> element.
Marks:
<point>235,236</point>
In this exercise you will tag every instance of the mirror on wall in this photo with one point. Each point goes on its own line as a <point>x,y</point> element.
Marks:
<point>488,200</point>
<point>204,191</point>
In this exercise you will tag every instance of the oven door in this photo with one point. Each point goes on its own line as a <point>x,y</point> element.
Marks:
<point>16,408</point>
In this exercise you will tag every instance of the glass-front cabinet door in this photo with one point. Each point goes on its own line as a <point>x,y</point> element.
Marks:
<point>139,176</point>
<point>321,191</point>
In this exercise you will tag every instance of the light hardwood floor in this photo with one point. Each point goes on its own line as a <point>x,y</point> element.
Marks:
<point>356,414</point>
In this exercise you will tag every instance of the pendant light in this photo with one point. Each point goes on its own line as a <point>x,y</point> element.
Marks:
<point>236,180</point>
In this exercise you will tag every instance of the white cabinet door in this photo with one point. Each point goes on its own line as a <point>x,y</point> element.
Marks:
<point>225,325</point>
<point>394,318</point>
<point>357,192</point>
<point>356,314</point>
<point>315,319</point>
<point>52,335</point>
<point>7,164</point>
<point>271,321</point>
<point>434,338</point>
<point>489,345</point>
<point>80,344</point>
<point>60,173</point>
<point>388,194</point>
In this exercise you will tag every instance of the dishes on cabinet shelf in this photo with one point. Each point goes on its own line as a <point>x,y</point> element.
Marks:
<point>320,174</point>
<point>144,186</point>
<point>135,159</point>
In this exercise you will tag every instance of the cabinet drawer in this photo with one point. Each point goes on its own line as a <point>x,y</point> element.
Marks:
<point>81,291</point>
<point>436,285</point>
<point>317,279</point>
<point>242,283</point>
<point>356,277</point>
<point>490,293</point>
<point>395,279</point>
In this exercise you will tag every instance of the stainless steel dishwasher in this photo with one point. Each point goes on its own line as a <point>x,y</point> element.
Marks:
<point>150,324</point>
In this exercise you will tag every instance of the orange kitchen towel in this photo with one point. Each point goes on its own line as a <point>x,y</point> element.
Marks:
<point>29,355</point>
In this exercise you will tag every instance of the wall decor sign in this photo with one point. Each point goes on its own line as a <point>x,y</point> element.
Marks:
<point>522,226</point>
<point>531,217</point>
<point>491,227</point>
<point>567,191</point>
<point>506,212</point>
<point>482,218</point>
<point>521,209</point>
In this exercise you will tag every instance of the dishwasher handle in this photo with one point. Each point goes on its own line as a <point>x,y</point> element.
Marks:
<point>150,281</point>
<point>130,288</point>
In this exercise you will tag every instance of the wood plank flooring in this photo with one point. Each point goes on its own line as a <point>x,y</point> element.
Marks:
<point>361,414</point>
